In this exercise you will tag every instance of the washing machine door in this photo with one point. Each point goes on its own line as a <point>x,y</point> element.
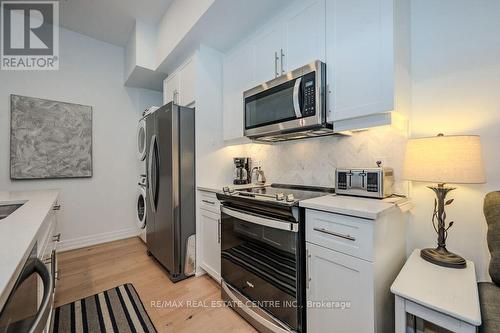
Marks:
<point>141,140</point>
<point>141,208</point>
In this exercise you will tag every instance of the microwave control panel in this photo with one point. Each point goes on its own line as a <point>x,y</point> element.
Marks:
<point>309,108</point>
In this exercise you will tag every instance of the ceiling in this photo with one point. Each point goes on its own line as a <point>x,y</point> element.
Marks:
<point>111,21</point>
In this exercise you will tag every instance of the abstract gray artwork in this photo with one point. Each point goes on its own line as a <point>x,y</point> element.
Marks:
<point>49,139</point>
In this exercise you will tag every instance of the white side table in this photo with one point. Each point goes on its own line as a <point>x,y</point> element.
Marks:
<point>446,297</point>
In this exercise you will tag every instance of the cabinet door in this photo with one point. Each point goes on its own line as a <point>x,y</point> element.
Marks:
<point>267,48</point>
<point>171,88</point>
<point>237,77</point>
<point>187,83</point>
<point>210,233</point>
<point>305,35</point>
<point>360,57</point>
<point>340,292</point>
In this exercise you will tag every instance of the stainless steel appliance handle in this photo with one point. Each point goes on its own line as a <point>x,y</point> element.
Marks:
<point>265,221</point>
<point>35,265</point>
<point>157,172</point>
<point>332,233</point>
<point>150,172</point>
<point>270,326</point>
<point>296,103</point>
<point>219,231</point>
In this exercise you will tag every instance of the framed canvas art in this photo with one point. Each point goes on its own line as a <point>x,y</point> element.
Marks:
<point>49,139</point>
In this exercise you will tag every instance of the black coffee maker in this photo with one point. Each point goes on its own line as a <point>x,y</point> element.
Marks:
<point>242,172</point>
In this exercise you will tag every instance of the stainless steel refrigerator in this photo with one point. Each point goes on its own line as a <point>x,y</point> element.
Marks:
<point>170,197</point>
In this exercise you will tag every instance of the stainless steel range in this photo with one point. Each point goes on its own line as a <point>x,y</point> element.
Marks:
<point>263,254</point>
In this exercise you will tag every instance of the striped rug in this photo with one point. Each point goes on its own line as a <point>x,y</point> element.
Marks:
<point>118,310</point>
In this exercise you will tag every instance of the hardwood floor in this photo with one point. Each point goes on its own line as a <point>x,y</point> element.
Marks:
<point>172,307</point>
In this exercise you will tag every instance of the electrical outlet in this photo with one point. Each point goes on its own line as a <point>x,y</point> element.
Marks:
<point>381,159</point>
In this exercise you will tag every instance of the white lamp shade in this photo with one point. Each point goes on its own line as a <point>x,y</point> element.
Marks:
<point>445,159</point>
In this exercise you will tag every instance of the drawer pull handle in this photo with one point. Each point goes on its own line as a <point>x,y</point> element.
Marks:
<point>208,202</point>
<point>328,232</point>
<point>56,238</point>
<point>56,207</point>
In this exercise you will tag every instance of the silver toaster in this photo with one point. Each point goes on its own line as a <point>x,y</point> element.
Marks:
<point>365,182</point>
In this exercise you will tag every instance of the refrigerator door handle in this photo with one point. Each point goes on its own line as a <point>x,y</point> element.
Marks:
<point>157,173</point>
<point>150,173</point>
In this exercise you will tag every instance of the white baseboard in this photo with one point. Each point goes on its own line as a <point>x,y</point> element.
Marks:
<point>78,243</point>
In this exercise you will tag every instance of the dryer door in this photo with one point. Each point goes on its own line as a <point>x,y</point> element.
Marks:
<point>141,208</point>
<point>141,140</point>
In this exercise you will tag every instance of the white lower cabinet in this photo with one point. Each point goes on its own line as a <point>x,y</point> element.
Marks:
<point>209,234</point>
<point>351,264</point>
<point>339,293</point>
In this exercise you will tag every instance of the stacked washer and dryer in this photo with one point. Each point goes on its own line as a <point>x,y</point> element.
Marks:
<point>142,183</point>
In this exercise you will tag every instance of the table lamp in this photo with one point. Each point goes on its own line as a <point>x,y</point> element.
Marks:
<point>444,159</point>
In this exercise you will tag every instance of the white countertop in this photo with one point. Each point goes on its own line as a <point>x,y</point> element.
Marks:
<point>354,206</point>
<point>18,233</point>
<point>447,290</point>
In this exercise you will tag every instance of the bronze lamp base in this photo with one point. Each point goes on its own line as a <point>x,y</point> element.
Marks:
<point>442,257</point>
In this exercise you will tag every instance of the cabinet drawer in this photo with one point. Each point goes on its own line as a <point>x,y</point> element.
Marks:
<point>346,234</point>
<point>208,201</point>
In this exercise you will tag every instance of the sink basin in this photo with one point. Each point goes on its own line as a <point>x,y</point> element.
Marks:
<point>7,209</point>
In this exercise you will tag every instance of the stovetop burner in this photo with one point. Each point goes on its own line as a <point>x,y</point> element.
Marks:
<point>280,193</point>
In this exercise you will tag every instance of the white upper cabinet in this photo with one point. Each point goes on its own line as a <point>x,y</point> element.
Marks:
<point>180,86</point>
<point>360,52</point>
<point>364,43</point>
<point>171,88</point>
<point>268,47</point>
<point>187,83</point>
<point>304,36</point>
<point>293,39</point>
<point>237,77</point>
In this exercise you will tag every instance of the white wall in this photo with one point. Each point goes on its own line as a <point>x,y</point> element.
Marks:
<point>91,73</point>
<point>456,85</point>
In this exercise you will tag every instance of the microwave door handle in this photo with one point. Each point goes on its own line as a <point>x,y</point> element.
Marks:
<point>296,102</point>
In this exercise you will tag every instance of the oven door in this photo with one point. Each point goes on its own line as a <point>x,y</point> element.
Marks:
<point>288,103</point>
<point>259,257</point>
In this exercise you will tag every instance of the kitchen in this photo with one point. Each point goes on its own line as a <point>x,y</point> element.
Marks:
<point>385,74</point>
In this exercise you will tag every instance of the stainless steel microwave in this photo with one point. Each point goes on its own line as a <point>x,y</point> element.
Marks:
<point>292,106</point>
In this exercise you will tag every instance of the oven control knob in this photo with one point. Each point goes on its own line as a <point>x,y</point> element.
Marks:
<point>228,190</point>
<point>290,198</point>
<point>280,196</point>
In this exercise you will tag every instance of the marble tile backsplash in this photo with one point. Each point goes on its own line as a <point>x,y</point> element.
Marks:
<point>313,161</point>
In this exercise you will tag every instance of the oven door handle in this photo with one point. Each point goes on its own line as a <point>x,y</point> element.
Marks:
<point>296,98</point>
<point>33,266</point>
<point>264,221</point>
